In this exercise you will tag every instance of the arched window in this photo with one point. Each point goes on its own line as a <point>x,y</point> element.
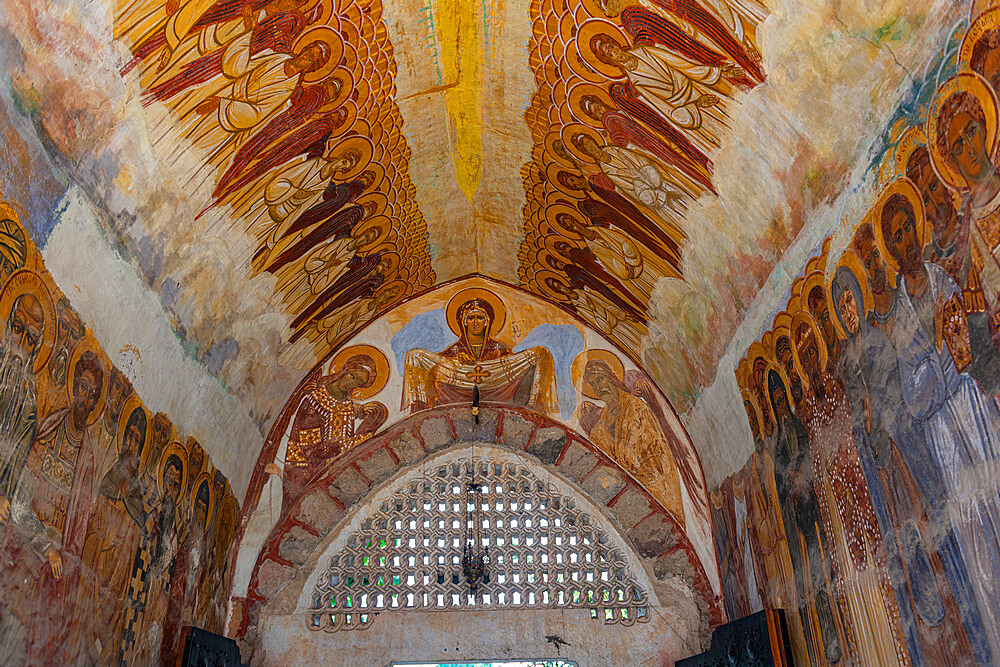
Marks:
<point>544,553</point>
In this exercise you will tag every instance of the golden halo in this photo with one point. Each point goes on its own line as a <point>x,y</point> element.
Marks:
<point>88,344</point>
<point>979,88</point>
<point>800,318</point>
<point>543,286</point>
<point>748,399</point>
<point>350,111</point>
<point>596,8</point>
<point>552,211</point>
<point>743,374</point>
<point>203,478</point>
<point>550,246</point>
<point>814,278</point>
<point>466,295</point>
<point>362,145</point>
<point>571,64</point>
<point>575,100</point>
<point>381,224</point>
<point>346,80</point>
<point>756,352</point>
<point>550,149</point>
<point>174,448</point>
<point>781,328</point>
<point>783,320</point>
<point>325,16</point>
<point>333,42</point>
<point>852,263</point>
<point>381,369</point>
<point>780,370</point>
<point>765,340</point>
<point>985,22</point>
<point>911,140</point>
<point>378,175</point>
<point>26,281</point>
<point>388,254</point>
<point>401,284</point>
<point>363,88</point>
<point>552,176</point>
<point>905,187</point>
<point>378,198</point>
<point>580,364</point>
<point>573,129</point>
<point>133,403</point>
<point>795,291</point>
<point>588,31</point>
<point>228,504</point>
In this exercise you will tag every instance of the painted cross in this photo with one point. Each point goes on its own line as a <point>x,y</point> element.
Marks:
<point>478,374</point>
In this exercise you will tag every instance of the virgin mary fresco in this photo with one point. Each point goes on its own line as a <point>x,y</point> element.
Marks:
<point>478,359</point>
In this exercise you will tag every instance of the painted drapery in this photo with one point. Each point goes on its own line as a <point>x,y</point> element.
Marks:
<point>883,365</point>
<point>117,531</point>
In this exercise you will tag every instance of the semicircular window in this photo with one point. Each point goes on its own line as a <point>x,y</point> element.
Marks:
<point>544,552</point>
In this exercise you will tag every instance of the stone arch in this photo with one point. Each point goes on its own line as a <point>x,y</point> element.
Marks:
<point>650,530</point>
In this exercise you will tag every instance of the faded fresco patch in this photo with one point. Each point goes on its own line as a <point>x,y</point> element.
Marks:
<point>118,530</point>
<point>868,508</point>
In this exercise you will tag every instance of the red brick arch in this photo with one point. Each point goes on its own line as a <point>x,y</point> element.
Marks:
<point>649,528</point>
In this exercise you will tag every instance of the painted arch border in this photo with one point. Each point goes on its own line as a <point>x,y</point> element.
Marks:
<point>650,529</point>
<point>272,442</point>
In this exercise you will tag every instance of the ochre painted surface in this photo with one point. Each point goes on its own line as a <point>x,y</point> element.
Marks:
<point>118,530</point>
<point>519,351</point>
<point>869,508</point>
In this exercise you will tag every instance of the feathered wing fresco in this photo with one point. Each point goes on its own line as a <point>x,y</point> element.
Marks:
<point>291,103</point>
<point>630,106</point>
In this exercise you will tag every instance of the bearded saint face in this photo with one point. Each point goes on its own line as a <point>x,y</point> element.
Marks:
<point>24,336</point>
<point>86,392</point>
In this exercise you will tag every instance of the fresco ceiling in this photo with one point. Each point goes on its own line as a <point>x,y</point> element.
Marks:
<point>289,109</point>
<point>282,173</point>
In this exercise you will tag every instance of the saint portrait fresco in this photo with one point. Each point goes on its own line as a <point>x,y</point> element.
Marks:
<point>628,428</point>
<point>478,363</point>
<point>91,487</point>
<point>333,415</point>
<point>886,462</point>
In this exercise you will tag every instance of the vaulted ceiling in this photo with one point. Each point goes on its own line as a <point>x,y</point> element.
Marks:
<point>281,173</point>
<point>290,120</point>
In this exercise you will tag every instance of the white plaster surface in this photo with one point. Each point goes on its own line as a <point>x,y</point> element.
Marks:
<point>121,311</point>
<point>473,635</point>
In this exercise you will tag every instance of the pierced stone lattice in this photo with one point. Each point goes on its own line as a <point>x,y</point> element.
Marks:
<point>544,553</point>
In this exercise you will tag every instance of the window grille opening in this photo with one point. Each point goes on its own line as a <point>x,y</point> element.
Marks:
<point>544,553</point>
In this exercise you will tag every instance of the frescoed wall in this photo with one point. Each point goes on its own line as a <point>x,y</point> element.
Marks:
<point>484,340</point>
<point>869,508</point>
<point>117,530</point>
